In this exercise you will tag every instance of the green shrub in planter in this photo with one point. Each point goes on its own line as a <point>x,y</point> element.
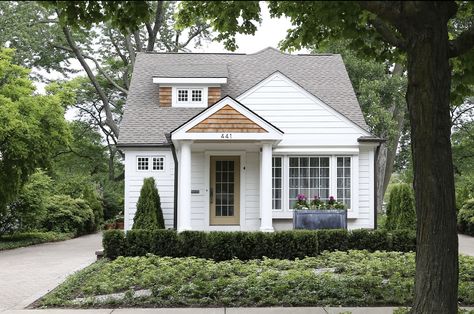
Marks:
<point>149,215</point>
<point>113,242</point>
<point>401,208</point>
<point>466,218</point>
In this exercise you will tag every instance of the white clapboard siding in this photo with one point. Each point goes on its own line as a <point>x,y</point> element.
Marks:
<point>304,119</point>
<point>252,194</point>
<point>134,181</point>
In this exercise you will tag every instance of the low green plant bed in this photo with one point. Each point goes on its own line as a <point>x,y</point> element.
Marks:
<point>353,278</point>
<point>222,246</point>
<point>17,240</point>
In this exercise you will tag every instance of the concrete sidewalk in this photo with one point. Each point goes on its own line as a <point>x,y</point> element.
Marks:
<point>243,310</point>
<point>28,273</point>
<point>466,245</point>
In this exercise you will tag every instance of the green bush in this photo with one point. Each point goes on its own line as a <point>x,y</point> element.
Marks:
<point>69,215</point>
<point>401,208</point>
<point>23,239</point>
<point>466,218</point>
<point>113,242</point>
<point>93,200</point>
<point>149,215</point>
<point>220,245</point>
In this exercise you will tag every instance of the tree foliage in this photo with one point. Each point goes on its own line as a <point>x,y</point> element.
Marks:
<point>31,128</point>
<point>149,214</point>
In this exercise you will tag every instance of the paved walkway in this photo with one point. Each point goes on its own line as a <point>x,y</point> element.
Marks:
<point>466,245</point>
<point>28,273</point>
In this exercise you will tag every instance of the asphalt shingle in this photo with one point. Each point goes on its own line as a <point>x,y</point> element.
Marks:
<point>144,122</point>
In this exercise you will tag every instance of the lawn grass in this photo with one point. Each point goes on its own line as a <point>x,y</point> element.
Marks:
<point>354,278</point>
<point>17,240</point>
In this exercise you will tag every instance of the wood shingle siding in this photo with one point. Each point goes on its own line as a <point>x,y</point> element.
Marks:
<point>227,120</point>
<point>214,94</point>
<point>165,96</point>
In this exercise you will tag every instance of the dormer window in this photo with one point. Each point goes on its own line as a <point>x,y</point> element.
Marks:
<point>189,96</point>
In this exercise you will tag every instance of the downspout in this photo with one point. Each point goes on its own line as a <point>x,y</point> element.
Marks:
<point>175,202</point>
<point>376,157</point>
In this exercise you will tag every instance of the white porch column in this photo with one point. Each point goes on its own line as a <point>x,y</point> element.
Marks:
<point>184,187</point>
<point>266,188</point>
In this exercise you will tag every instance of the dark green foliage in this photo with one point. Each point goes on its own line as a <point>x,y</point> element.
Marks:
<point>23,239</point>
<point>149,215</point>
<point>333,240</point>
<point>360,279</point>
<point>93,200</point>
<point>221,245</point>
<point>362,239</point>
<point>401,208</point>
<point>113,243</point>
<point>466,218</point>
<point>70,215</point>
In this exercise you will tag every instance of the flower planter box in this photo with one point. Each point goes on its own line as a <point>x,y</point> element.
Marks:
<point>320,219</point>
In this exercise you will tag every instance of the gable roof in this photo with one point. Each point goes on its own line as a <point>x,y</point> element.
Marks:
<point>144,122</point>
<point>227,115</point>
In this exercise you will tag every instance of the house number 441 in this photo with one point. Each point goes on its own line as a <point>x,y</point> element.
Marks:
<point>226,135</point>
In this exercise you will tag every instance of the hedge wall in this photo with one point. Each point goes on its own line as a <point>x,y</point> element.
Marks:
<point>221,246</point>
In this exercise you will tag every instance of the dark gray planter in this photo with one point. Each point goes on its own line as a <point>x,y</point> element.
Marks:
<point>320,219</point>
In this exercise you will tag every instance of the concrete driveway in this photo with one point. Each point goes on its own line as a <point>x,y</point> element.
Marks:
<point>466,245</point>
<point>28,273</point>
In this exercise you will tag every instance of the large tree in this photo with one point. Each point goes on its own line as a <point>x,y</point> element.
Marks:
<point>31,128</point>
<point>420,31</point>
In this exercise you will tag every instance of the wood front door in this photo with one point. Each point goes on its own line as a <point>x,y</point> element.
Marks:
<point>224,191</point>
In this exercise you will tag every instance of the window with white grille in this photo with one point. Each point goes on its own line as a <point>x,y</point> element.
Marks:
<point>158,163</point>
<point>142,163</point>
<point>190,97</point>
<point>154,163</point>
<point>344,180</point>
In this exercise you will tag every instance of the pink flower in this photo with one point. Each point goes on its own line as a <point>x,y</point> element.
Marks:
<point>301,197</point>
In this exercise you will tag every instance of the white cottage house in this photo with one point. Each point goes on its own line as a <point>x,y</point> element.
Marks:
<point>232,139</point>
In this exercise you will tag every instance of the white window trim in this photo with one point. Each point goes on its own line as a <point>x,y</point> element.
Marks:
<point>189,104</point>
<point>150,163</point>
<point>352,212</point>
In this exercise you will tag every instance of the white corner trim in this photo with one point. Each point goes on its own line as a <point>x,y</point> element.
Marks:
<point>315,99</point>
<point>190,80</point>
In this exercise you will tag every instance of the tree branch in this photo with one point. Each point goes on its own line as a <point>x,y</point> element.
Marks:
<point>138,41</point>
<point>152,32</point>
<point>107,77</point>
<point>462,44</point>
<point>388,34</point>
<point>386,10</point>
<point>117,48</point>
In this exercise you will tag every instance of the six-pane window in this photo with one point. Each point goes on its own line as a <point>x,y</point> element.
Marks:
<point>344,180</point>
<point>142,163</point>
<point>276,183</point>
<point>308,176</point>
<point>190,95</point>
<point>155,163</point>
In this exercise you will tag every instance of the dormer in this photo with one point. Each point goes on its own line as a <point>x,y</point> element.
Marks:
<point>191,86</point>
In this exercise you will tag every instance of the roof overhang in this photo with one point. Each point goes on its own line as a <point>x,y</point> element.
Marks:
<point>254,128</point>
<point>190,80</point>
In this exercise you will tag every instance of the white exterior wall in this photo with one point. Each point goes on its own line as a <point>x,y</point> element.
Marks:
<point>134,181</point>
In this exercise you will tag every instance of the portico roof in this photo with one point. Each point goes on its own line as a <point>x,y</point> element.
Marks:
<point>227,120</point>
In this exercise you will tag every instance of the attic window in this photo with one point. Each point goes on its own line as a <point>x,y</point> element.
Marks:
<point>190,97</point>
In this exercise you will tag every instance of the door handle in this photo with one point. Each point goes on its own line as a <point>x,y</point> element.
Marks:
<point>211,195</point>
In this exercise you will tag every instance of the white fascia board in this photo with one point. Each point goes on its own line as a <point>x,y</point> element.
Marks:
<point>228,137</point>
<point>190,80</point>
<point>250,91</point>
<point>327,150</point>
<point>273,134</point>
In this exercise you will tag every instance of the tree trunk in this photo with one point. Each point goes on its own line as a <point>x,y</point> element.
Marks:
<point>429,80</point>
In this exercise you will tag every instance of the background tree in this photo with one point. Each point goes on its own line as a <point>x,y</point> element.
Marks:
<point>388,31</point>
<point>149,214</point>
<point>31,127</point>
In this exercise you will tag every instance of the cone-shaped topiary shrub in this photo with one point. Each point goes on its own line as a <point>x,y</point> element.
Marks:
<point>401,208</point>
<point>149,215</point>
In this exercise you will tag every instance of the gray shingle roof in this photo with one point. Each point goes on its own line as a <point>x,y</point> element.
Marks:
<point>144,122</point>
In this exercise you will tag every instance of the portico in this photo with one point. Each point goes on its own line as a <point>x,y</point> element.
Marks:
<point>225,169</point>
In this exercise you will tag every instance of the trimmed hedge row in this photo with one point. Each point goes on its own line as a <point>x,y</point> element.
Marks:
<point>221,246</point>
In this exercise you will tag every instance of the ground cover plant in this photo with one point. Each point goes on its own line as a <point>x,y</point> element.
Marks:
<point>17,240</point>
<point>353,278</point>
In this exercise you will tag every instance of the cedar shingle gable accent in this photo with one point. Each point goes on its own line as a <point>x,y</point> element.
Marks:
<point>227,120</point>
<point>165,96</point>
<point>213,95</point>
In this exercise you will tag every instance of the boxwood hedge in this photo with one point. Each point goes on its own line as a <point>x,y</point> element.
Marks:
<point>222,246</point>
